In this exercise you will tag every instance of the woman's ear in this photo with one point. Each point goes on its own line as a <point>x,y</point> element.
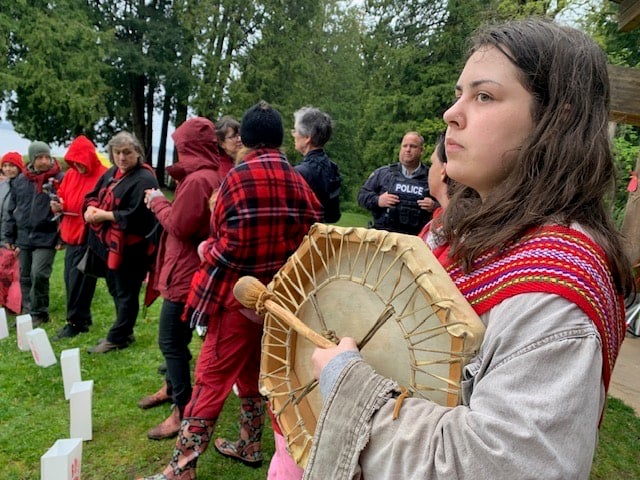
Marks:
<point>443,173</point>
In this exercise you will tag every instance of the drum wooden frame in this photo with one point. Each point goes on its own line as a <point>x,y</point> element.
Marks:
<point>388,292</point>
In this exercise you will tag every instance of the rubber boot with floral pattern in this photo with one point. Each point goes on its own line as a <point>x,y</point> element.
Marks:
<point>247,448</point>
<point>193,440</point>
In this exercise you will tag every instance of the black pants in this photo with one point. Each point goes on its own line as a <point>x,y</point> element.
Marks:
<point>174,337</point>
<point>80,288</point>
<point>124,286</point>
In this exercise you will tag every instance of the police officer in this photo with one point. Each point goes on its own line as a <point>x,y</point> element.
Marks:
<point>398,195</point>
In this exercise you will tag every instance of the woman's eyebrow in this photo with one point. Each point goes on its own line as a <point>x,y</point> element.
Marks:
<point>477,83</point>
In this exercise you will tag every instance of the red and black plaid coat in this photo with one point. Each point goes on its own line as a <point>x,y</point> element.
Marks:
<point>263,210</point>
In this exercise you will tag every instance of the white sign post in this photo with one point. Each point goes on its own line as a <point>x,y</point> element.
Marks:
<point>41,348</point>
<point>70,364</point>
<point>23,325</point>
<point>4,330</point>
<point>63,461</point>
<point>80,407</point>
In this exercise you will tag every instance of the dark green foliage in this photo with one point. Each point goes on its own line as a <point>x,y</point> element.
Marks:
<point>55,69</point>
<point>626,150</point>
<point>622,49</point>
<point>308,54</point>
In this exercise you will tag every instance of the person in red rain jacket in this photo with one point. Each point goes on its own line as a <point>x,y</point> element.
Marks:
<point>203,162</point>
<point>84,171</point>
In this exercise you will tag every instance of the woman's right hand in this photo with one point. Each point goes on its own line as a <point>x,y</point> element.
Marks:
<point>90,214</point>
<point>322,356</point>
<point>201,247</point>
<point>213,199</point>
<point>150,194</point>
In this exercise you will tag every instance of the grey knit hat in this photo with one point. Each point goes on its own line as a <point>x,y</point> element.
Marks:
<point>38,148</point>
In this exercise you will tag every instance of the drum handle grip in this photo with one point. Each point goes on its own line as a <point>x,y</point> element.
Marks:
<point>251,293</point>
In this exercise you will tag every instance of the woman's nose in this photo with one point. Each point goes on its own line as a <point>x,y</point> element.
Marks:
<point>454,116</point>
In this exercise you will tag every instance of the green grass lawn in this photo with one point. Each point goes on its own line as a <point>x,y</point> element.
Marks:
<point>34,413</point>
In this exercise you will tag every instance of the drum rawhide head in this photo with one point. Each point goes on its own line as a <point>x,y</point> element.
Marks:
<point>388,292</point>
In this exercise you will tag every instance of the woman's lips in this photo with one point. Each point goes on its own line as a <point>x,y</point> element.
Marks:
<point>452,146</point>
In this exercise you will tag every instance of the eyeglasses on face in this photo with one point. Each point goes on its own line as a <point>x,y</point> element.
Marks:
<point>233,136</point>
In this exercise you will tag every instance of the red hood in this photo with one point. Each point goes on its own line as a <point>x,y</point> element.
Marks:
<point>197,145</point>
<point>83,151</point>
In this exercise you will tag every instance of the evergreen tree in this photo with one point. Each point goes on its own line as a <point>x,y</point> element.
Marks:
<point>54,76</point>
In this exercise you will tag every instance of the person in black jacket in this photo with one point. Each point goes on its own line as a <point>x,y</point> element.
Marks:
<point>398,195</point>
<point>312,130</point>
<point>32,230</point>
<point>120,231</point>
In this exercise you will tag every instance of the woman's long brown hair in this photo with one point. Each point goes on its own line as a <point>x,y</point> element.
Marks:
<point>564,171</point>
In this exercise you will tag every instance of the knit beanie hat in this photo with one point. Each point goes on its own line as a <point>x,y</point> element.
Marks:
<point>14,158</point>
<point>261,126</point>
<point>38,148</point>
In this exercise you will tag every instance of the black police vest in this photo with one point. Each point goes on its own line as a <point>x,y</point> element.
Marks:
<point>406,216</point>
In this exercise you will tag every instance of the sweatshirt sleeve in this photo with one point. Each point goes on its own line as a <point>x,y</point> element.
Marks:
<point>184,217</point>
<point>370,191</point>
<point>9,225</point>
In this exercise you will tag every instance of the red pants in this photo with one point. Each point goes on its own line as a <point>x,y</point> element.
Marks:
<point>230,354</point>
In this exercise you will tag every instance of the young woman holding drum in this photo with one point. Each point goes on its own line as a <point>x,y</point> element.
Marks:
<point>533,249</point>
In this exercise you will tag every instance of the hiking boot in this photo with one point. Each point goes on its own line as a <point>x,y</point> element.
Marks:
<point>106,346</point>
<point>38,319</point>
<point>69,331</point>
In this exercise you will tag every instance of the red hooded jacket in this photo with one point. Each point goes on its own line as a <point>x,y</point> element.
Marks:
<point>200,170</point>
<point>75,186</point>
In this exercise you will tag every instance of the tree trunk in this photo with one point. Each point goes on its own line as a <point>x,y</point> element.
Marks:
<point>138,83</point>
<point>148,138</point>
<point>162,148</point>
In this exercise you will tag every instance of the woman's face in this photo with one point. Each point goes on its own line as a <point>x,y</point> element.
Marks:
<point>9,170</point>
<point>437,178</point>
<point>488,123</point>
<point>125,157</point>
<point>232,143</point>
<point>80,168</point>
<point>301,143</point>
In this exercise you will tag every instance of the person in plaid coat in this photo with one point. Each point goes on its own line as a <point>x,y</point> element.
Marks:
<point>262,211</point>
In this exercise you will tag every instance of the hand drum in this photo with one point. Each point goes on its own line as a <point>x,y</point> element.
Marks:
<point>384,289</point>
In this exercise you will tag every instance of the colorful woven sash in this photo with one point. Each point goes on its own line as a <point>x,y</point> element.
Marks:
<point>557,260</point>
